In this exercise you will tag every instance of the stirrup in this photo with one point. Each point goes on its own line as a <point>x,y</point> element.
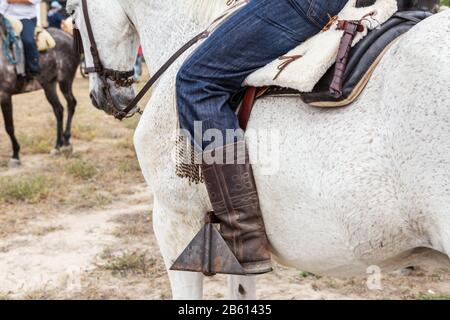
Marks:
<point>208,253</point>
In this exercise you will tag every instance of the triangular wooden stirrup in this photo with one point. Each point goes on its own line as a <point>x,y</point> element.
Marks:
<point>208,253</point>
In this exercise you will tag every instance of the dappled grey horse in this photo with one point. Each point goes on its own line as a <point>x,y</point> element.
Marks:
<point>59,66</point>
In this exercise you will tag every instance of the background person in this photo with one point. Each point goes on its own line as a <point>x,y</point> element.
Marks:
<point>56,15</point>
<point>26,12</point>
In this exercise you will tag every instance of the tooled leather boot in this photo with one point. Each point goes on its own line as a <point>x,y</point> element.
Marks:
<point>241,247</point>
<point>234,198</point>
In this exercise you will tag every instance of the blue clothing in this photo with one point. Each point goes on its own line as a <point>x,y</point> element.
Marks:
<point>55,19</point>
<point>254,36</point>
<point>29,44</point>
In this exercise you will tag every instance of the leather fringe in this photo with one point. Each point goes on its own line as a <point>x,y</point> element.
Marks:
<point>186,165</point>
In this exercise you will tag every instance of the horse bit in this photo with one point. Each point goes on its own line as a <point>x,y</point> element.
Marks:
<point>125,78</point>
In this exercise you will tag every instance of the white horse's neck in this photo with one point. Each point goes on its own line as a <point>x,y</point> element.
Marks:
<point>163,27</point>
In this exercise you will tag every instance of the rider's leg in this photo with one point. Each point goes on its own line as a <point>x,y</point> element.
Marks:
<point>31,52</point>
<point>256,35</point>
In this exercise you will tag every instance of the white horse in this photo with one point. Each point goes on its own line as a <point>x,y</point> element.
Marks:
<point>364,185</point>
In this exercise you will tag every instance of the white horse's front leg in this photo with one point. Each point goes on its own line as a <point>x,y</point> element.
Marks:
<point>186,285</point>
<point>173,236</point>
<point>242,287</point>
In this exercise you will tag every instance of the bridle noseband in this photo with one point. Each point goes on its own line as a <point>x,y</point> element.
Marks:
<point>124,78</point>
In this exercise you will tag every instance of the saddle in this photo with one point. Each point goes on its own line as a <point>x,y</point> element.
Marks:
<point>13,49</point>
<point>345,80</point>
<point>44,40</point>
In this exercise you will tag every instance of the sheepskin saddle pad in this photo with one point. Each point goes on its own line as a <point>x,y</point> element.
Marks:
<point>310,69</point>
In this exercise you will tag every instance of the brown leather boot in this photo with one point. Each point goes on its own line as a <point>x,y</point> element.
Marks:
<point>232,191</point>
<point>241,247</point>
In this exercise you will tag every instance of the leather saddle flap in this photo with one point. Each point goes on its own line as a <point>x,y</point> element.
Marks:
<point>363,60</point>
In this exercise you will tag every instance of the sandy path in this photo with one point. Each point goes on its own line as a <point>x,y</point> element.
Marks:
<point>70,245</point>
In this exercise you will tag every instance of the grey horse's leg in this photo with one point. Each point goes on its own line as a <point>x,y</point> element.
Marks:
<point>58,109</point>
<point>66,89</point>
<point>6,104</point>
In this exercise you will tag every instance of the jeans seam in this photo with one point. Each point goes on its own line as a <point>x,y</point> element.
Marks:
<point>288,33</point>
<point>309,14</point>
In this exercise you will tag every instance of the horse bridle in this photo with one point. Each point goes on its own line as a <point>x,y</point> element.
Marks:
<point>118,78</point>
<point>125,78</point>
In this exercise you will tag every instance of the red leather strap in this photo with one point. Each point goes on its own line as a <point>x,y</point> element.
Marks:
<point>251,95</point>
<point>246,108</point>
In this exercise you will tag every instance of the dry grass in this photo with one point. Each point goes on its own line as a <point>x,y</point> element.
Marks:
<point>132,227</point>
<point>44,293</point>
<point>30,189</point>
<point>36,142</point>
<point>45,230</point>
<point>84,132</point>
<point>81,169</point>
<point>126,263</point>
<point>430,296</point>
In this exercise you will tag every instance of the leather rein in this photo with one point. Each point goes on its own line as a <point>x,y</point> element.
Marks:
<point>125,78</point>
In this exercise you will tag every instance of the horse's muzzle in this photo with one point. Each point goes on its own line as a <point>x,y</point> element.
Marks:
<point>94,100</point>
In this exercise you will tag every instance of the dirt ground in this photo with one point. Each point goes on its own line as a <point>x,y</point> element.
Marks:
<point>80,226</point>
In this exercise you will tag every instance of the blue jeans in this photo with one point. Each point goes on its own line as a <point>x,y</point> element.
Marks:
<point>254,36</point>
<point>29,44</point>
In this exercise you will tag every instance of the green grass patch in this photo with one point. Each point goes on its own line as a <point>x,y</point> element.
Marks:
<point>435,296</point>
<point>30,189</point>
<point>127,263</point>
<point>305,274</point>
<point>101,199</point>
<point>81,169</point>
